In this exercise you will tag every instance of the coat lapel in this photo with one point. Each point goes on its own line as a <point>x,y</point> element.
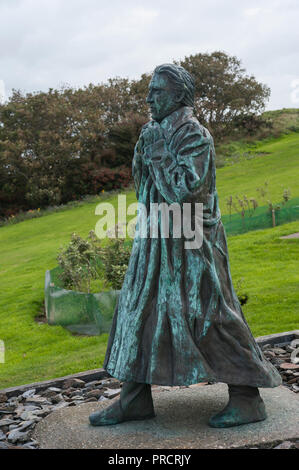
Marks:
<point>175,120</point>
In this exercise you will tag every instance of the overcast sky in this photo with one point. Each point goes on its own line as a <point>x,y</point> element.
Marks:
<point>48,43</point>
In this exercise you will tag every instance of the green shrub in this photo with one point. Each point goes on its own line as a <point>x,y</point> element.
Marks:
<point>242,296</point>
<point>115,257</point>
<point>79,263</point>
<point>86,265</point>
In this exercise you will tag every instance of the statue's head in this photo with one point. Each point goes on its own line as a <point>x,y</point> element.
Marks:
<point>171,87</point>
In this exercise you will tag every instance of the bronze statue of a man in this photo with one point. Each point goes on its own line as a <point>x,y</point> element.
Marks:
<point>178,320</point>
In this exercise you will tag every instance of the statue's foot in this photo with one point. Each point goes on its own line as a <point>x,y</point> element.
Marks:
<point>114,414</point>
<point>240,410</point>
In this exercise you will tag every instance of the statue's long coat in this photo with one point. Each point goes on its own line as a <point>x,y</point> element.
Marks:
<point>178,320</point>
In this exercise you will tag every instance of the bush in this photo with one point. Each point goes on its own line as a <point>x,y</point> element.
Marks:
<point>242,296</point>
<point>79,263</point>
<point>252,124</point>
<point>116,257</point>
<point>107,179</point>
<point>84,261</point>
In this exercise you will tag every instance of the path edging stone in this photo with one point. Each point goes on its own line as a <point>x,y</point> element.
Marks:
<point>87,376</point>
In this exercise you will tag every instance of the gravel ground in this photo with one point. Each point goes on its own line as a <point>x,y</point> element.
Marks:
<point>19,414</point>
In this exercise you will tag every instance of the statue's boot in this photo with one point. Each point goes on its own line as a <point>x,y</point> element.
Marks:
<point>245,406</point>
<point>135,403</point>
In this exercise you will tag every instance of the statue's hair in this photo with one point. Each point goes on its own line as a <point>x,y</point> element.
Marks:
<point>181,79</point>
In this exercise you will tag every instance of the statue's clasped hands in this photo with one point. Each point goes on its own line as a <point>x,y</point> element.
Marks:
<point>151,135</point>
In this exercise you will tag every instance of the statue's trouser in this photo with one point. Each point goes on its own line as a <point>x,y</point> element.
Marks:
<point>135,403</point>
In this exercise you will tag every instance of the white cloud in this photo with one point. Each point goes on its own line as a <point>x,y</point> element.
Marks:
<point>2,91</point>
<point>252,11</point>
<point>46,43</point>
<point>295,91</point>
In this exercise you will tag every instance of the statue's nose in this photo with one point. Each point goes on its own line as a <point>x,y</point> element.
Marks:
<point>149,98</point>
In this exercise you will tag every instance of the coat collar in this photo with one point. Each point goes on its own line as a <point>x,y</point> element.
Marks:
<point>171,123</point>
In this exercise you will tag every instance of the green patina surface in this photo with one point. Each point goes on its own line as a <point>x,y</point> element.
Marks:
<point>178,320</point>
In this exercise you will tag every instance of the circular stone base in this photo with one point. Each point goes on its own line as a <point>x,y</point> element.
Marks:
<point>181,422</point>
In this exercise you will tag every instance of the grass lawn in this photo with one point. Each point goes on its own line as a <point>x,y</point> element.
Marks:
<point>267,265</point>
<point>268,268</point>
<point>278,164</point>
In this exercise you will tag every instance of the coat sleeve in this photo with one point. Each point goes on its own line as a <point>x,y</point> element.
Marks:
<point>137,166</point>
<point>180,170</point>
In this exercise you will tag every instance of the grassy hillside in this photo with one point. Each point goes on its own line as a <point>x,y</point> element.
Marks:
<point>283,120</point>
<point>276,162</point>
<point>37,351</point>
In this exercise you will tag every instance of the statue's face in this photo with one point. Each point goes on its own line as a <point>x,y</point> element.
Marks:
<point>162,97</point>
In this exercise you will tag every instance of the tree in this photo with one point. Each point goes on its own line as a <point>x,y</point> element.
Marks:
<point>223,91</point>
<point>62,144</point>
<point>55,146</point>
<point>40,146</point>
<point>123,137</point>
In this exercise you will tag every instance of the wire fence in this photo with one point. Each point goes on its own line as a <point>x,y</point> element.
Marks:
<point>261,218</point>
